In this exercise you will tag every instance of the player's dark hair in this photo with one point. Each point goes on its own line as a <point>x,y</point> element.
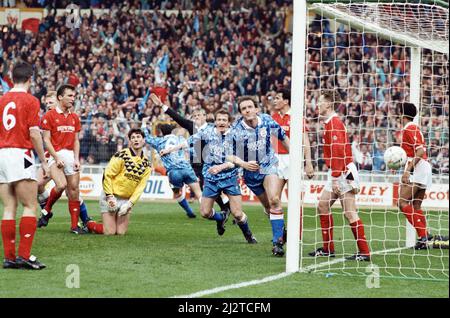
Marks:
<point>166,129</point>
<point>22,72</point>
<point>285,93</point>
<point>246,98</point>
<point>62,89</point>
<point>408,110</point>
<point>223,111</point>
<point>135,131</point>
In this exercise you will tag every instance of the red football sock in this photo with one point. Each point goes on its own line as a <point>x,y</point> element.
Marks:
<point>416,219</point>
<point>27,228</point>
<point>9,239</point>
<point>420,223</point>
<point>98,229</point>
<point>95,227</point>
<point>74,210</point>
<point>53,197</point>
<point>408,212</point>
<point>360,237</point>
<point>326,222</point>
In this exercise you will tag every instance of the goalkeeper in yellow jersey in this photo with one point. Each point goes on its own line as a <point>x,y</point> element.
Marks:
<point>124,180</point>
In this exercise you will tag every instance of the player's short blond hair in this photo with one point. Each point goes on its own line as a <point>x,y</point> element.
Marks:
<point>50,94</point>
<point>332,97</point>
<point>199,110</point>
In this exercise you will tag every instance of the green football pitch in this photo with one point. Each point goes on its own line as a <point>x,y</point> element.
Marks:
<point>165,254</point>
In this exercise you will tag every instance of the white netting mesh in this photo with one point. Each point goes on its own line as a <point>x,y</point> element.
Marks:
<point>415,23</point>
<point>372,73</point>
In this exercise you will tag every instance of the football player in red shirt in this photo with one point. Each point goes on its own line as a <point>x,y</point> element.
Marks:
<point>60,128</point>
<point>416,178</point>
<point>282,115</point>
<point>19,134</point>
<point>43,194</point>
<point>343,182</point>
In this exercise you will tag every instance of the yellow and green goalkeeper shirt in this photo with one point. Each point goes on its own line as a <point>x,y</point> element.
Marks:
<point>126,175</point>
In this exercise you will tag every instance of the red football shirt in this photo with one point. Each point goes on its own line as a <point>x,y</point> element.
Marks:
<point>20,113</point>
<point>285,123</point>
<point>412,139</point>
<point>62,128</point>
<point>337,150</point>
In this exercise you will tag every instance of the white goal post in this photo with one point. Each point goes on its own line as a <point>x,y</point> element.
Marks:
<point>416,24</point>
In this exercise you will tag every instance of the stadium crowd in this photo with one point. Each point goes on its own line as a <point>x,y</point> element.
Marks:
<point>216,53</point>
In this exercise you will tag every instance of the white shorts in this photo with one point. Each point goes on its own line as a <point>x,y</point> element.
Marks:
<point>68,157</point>
<point>104,207</point>
<point>345,181</point>
<point>422,174</point>
<point>283,166</point>
<point>16,165</point>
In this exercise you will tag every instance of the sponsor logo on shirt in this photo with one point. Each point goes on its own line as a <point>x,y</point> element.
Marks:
<point>65,129</point>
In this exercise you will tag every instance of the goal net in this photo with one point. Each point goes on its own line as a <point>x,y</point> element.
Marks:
<point>374,55</point>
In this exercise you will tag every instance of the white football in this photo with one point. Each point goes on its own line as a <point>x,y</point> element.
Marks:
<point>395,157</point>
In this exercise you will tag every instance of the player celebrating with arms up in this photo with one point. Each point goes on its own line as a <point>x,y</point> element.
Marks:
<point>219,175</point>
<point>343,182</point>
<point>416,177</point>
<point>61,127</point>
<point>19,134</point>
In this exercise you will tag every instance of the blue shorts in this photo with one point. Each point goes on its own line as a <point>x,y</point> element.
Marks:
<point>180,177</point>
<point>255,182</point>
<point>229,186</point>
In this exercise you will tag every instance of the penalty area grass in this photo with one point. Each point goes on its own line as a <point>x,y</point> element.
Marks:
<point>165,254</point>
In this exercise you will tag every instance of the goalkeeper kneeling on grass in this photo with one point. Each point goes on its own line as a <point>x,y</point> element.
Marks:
<point>124,180</point>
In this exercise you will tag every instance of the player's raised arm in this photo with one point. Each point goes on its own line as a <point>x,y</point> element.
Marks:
<point>183,122</point>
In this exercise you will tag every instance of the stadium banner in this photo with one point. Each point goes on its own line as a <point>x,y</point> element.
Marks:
<point>157,187</point>
<point>371,194</point>
<point>436,197</point>
<point>15,16</point>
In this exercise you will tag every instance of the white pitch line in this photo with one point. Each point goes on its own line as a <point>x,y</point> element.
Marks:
<point>234,286</point>
<point>275,277</point>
